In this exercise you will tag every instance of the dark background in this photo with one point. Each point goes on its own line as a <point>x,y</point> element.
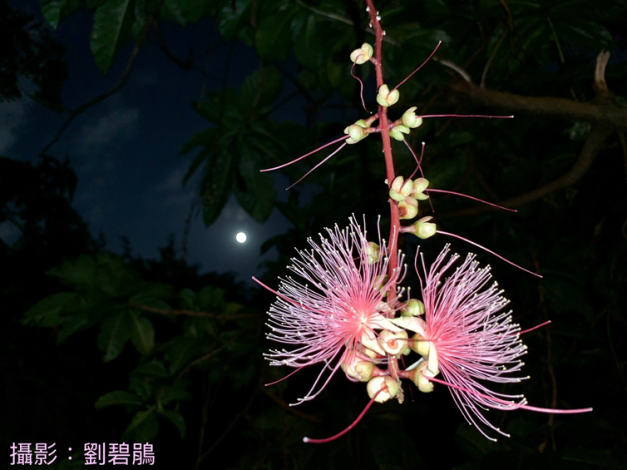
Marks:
<point>127,310</point>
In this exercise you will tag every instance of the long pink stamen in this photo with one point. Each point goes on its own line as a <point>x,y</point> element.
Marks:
<point>428,190</point>
<point>305,175</point>
<point>286,299</point>
<point>281,380</point>
<point>427,60</point>
<point>340,434</point>
<point>511,404</point>
<point>489,251</point>
<point>361,88</point>
<point>465,116</point>
<point>535,327</point>
<point>306,155</point>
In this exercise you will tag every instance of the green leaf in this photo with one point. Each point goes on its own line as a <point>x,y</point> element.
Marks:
<point>177,392</point>
<point>71,326</point>
<point>215,186</point>
<point>46,312</point>
<point>143,427</point>
<point>177,419</point>
<point>114,333</point>
<point>273,38</point>
<point>232,17</point>
<point>119,397</point>
<point>261,88</point>
<point>112,25</point>
<point>55,11</point>
<point>142,333</point>
<point>306,46</point>
<point>181,351</point>
<point>256,194</point>
<point>152,368</point>
<point>78,273</point>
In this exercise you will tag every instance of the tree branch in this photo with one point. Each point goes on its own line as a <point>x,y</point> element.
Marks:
<point>588,153</point>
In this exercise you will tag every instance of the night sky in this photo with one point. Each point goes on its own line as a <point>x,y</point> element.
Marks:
<point>125,150</point>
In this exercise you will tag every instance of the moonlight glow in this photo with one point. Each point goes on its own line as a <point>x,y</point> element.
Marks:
<point>240,237</point>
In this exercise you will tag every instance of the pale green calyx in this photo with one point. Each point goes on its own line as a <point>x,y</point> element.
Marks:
<point>386,97</point>
<point>408,208</point>
<point>397,132</point>
<point>410,119</point>
<point>363,54</point>
<point>420,184</point>
<point>424,228</point>
<point>373,252</point>
<point>400,189</point>
<point>356,132</point>
<point>413,308</point>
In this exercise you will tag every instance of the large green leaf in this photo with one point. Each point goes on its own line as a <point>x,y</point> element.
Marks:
<point>273,37</point>
<point>180,352</point>
<point>114,333</point>
<point>112,26</point>
<point>307,43</point>
<point>55,11</point>
<point>232,17</point>
<point>119,397</point>
<point>143,427</point>
<point>46,312</point>
<point>255,190</point>
<point>142,333</point>
<point>73,325</point>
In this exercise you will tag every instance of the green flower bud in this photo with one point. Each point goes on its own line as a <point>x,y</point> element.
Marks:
<point>400,189</point>
<point>408,208</point>
<point>413,308</point>
<point>386,98</point>
<point>397,132</point>
<point>358,369</point>
<point>363,54</point>
<point>355,133</point>
<point>410,119</point>
<point>423,384</point>
<point>383,388</point>
<point>424,228</point>
<point>419,187</point>
<point>373,252</point>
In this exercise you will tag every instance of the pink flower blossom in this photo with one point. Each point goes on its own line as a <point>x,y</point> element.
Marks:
<point>336,303</point>
<point>472,339</point>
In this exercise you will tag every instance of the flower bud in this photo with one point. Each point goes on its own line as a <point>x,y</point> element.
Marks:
<point>397,132</point>
<point>373,252</point>
<point>413,308</point>
<point>422,228</point>
<point>386,98</point>
<point>383,388</point>
<point>363,54</point>
<point>408,208</point>
<point>355,133</point>
<point>393,343</point>
<point>419,345</point>
<point>400,189</point>
<point>357,369</point>
<point>420,184</point>
<point>423,384</point>
<point>410,119</point>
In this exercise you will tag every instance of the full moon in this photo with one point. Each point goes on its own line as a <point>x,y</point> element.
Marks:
<point>240,237</point>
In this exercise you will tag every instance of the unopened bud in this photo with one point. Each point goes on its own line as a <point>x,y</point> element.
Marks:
<point>400,188</point>
<point>393,343</point>
<point>423,384</point>
<point>373,252</point>
<point>419,345</point>
<point>355,133</point>
<point>397,132</point>
<point>408,208</point>
<point>363,54</point>
<point>381,389</point>
<point>410,119</point>
<point>420,184</point>
<point>358,369</point>
<point>422,228</point>
<point>413,308</point>
<point>386,98</point>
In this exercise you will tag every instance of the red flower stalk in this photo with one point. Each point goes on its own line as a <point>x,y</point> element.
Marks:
<point>335,307</point>
<point>471,339</point>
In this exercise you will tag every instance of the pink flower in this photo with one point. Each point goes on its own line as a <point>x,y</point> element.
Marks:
<point>471,339</point>
<point>336,303</point>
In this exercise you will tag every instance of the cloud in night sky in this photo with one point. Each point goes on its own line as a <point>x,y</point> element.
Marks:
<point>118,123</point>
<point>13,117</point>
